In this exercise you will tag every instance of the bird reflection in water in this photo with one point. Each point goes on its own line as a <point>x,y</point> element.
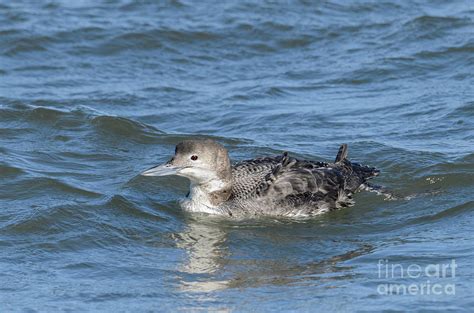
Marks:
<point>210,267</point>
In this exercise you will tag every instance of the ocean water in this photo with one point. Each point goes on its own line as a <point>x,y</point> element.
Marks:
<point>94,92</point>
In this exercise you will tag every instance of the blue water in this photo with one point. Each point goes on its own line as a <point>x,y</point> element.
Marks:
<point>94,92</point>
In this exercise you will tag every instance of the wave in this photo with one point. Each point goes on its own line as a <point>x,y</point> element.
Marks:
<point>129,208</point>
<point>436,23</point>
<point>21,45</point>
<point>7,170</point>
<point>123,127</point>
<point>466,49</point>
<point>145,40</point>
<point>455,211</point>
<point>81,118</point>
<point>39,186</point>
<point>46,220</point>
<point>154,5</point>
<point>38,68</point>
<point>463,111</point>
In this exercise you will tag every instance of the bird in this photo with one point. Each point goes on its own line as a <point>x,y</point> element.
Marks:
<point>278,186</point>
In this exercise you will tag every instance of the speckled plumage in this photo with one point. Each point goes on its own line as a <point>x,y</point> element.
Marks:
<point>294,187</point>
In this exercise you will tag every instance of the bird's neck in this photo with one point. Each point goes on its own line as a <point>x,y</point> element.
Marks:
<point>205,197</point>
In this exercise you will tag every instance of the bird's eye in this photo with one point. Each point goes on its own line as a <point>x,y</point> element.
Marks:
<point>194,157</point>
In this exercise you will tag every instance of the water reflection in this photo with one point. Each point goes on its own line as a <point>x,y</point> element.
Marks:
<point>278,272</point>
<point>205,245</point>
<point>206,249</point>
<point>209,265</point>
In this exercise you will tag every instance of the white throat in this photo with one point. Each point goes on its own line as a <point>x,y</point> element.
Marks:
<point>199,198</point>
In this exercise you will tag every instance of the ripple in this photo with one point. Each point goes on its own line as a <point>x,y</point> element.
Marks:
<point>130,41</point>
<point>27,45</point>
<point>146,40</point>
<point>44,220</point>
<point>186,36</point>
<point>436,23</point>
<point>454,211</point>
<point>138,6</point>
<point>170,89</point>
<point>45,114</point>
<point>468,159</point>
<point>124,205</point>
<point>81,34</point>
<point>41,114</point>
<point>32,68</point>
<point>296,43</point>
<point>7,171</point>
<point>81,117</point>
<point>12,114</point>
<point>463,111</point>
<point>29,187</point>
<point>467,49</point>
<point>123,127</point>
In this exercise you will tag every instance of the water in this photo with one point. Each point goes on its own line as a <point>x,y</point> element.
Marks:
<point>94,92</point>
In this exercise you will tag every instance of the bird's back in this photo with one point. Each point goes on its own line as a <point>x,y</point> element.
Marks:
<point>287,186</point>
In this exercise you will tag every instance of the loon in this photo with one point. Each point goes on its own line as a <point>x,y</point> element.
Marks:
<point>275,186</point>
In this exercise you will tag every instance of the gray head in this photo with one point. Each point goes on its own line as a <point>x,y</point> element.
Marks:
<point>202,161</point>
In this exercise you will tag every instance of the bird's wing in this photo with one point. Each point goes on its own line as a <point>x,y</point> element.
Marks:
<point>291,183</point>
<point>247,175</point>
<point>252,177</point>
<point>298,183</point>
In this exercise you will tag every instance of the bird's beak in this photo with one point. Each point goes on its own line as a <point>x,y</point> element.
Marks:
<point>162,170</point>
